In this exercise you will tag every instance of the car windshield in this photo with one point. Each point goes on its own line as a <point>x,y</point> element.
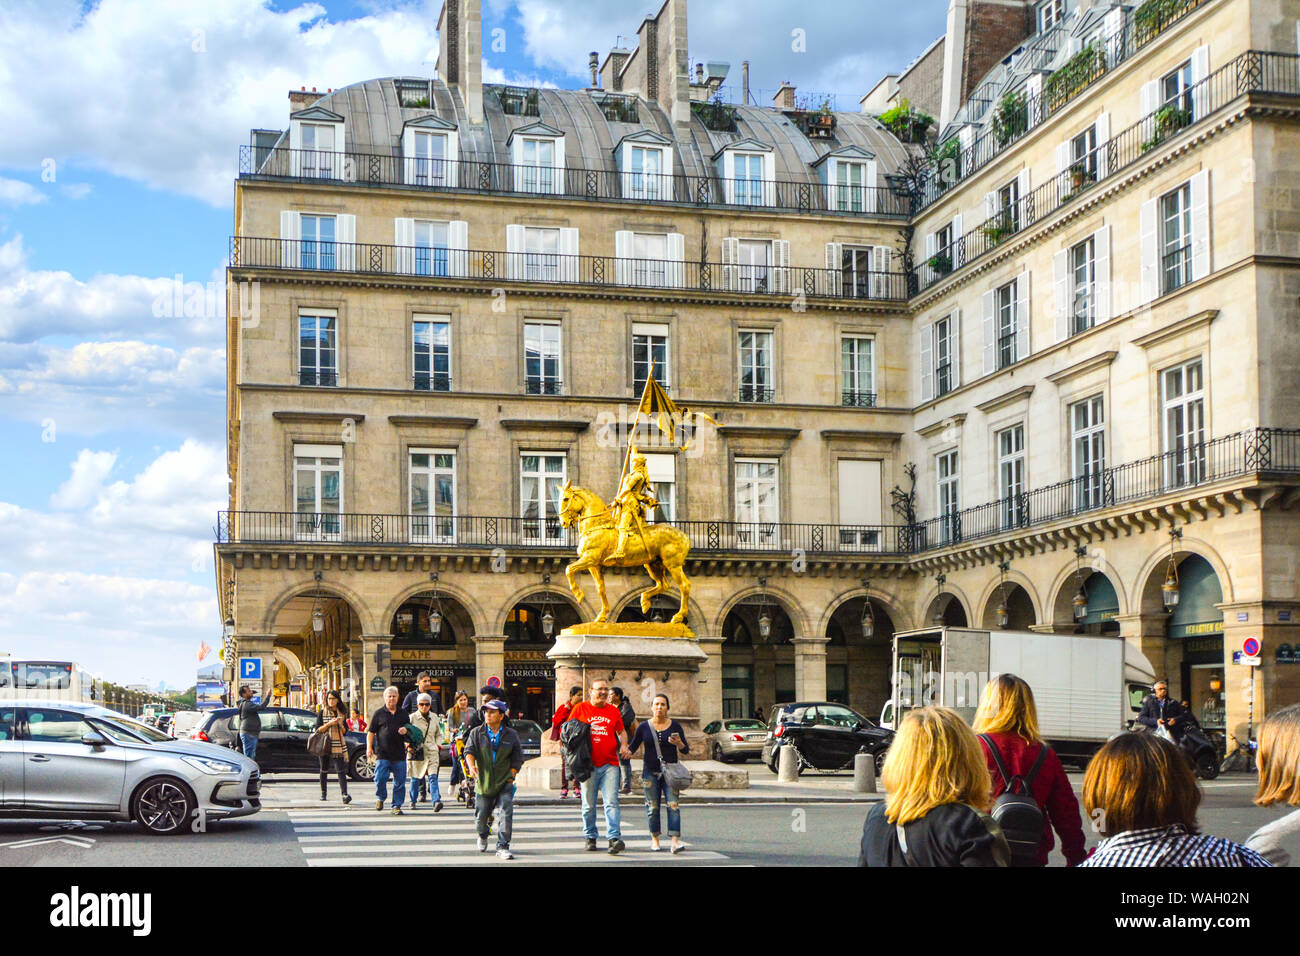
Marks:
<point>748,724</point>
<point>124,730</point>
<point>526,726</point>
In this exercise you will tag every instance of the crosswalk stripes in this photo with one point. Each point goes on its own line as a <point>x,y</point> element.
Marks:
<point>361,836</point>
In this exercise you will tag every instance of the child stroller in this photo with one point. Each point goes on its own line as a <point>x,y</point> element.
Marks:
<point>465,789</point>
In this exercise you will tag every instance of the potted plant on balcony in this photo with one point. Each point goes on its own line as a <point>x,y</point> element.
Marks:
<point>947,163</point>
<point>1081,177</point>
<point>908,124</point>
<point>1166,121</point>
<point>997,228</point>
<point>1011,118</point>
<point>940,264</point>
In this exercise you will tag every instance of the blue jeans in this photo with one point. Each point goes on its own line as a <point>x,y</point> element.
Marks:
<point>504,804</point>
<point>656,791</point>
<point>249,744</point>
<point>382,769</point>
<point>605,780</point>
<point>626,777</point>
<point>417,784</point>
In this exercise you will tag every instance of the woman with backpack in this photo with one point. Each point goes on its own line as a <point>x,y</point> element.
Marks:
<point>936,810</point>
<point>1031,793</point>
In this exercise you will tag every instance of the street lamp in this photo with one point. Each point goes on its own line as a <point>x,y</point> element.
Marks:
<point>764,619</point>
<point>317,617</point>
<point>939,581</point>
<point>868,622</point>
<point>548,619</point>
<point>1080,600</point>
<point>435,608</point>
<point>1170,592</point>
<point>1003,615</point>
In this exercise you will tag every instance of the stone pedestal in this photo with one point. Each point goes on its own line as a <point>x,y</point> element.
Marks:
<point>643,659</point>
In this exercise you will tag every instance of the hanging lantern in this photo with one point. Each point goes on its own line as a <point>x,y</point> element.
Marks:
<point>548,623</point>
<point>435,622</point>
<point>1080,603</point>
<point>435,607</point>
<point>317,620</point>
<point>1004,616</point>
<point>868,622</point>
<point>1216,683</point>
<point>765,625</point>
<point>1170,591</point>
<point>1002,613</point>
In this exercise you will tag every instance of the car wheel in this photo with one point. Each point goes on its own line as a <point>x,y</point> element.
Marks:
<point>773,765</point>
<point>880,761</point>
<point>359,768</point>
<point>164,806</point>
<point>1207,766</point>
<point>718,755</point>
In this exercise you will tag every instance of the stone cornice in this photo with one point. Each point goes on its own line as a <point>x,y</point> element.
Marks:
<point>1082,368</point>
<point>315,417</point>
<point>935,427</point>
<point>544,425</point>
<point>856,434</point>
<point>1006,398</point>
<point>760,431</point>
<point>431,421</point>
<point>1182,327</point>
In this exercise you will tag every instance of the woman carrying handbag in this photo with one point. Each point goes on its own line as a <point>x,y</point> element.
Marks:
<point>333,724</point>
<point>662,775</point>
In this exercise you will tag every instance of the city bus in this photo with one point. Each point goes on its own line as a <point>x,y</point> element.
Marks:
<point>44,680</point>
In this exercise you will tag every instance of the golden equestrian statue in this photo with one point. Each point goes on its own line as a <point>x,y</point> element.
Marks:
<point>618,535</point>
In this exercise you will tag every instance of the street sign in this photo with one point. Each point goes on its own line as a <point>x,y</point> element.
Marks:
<point>494,681</point>
<point>250,668</point>
<point>1246,660</point>
<point>377,683</point>
<point>1250,647</point>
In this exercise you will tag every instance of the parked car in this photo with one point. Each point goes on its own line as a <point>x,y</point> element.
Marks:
<point>282,744</point>
<point>66,759</point>
<point>530,735</point>
<point>825,735</point>
<point>183,721</point>
<point>736,738</point>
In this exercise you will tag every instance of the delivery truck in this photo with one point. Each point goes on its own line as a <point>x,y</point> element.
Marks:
<point>1086,688</point>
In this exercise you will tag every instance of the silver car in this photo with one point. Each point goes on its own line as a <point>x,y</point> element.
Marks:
<point>736,739</point>
<point>65,759</point>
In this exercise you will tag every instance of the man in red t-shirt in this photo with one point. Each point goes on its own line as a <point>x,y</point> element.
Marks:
<point>608,743</point>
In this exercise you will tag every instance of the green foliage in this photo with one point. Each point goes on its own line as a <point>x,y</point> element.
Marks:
<point>940,264</point>
<point>1166,121</point>
<point>1074,75</point>
<point>1152,17</point>
<point>1011,118</point>
<point>187,699</point>
<point>908,124</point>
<point>716,115</point>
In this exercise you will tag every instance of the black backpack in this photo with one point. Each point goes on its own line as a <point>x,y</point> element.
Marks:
<point>575,747</point>
<point>1018,814</point>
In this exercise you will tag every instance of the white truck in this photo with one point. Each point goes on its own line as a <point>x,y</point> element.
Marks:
<point>1086,688</point>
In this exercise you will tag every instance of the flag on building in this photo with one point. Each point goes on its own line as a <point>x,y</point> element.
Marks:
<point>204,650</point>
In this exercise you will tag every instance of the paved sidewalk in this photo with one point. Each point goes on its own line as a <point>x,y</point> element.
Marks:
<point>283,791</point>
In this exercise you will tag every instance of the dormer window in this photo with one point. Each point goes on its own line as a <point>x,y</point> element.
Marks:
<point>748,172</point>
<point>537,154</point>
<point>430,149</point>
<point>645,160</point>
<point>849,176</point>
<point>316,144</point>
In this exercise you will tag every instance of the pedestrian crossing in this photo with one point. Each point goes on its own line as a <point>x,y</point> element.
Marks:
<point>358,835</point>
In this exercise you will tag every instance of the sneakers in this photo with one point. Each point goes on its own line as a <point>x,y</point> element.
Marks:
<point>482,844</point>
<point>397,811</point>
<point>504,854</point>
<point>323,795</point>
<point>616,846</point>
<point>591,843</point>
<point>626,790</point>
<point>677,848</point>
<point>563,794</point>
<point>437,806</point>
<point>379,804</point>
<point>346,799</point>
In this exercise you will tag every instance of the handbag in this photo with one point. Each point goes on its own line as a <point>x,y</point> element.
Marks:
<point>676,777</point>
<point>318,744</point>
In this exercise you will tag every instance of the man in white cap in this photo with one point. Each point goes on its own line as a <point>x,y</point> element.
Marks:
<point>422,759</point>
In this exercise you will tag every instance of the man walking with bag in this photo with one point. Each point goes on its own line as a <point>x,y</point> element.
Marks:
<point>493,755</point>
<point>608,744</point>
<point>250,723</point>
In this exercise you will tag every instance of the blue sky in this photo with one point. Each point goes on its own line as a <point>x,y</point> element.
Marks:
<point>123,120</point>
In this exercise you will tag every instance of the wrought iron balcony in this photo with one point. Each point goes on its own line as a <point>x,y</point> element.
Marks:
<point>857,399</point>
<point>474,175</point>
<point>608,272</point>
<point>536,385</point>
<point>432,382</point>
<point>756,393</point>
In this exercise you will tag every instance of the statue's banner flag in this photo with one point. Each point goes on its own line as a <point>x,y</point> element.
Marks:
<point>663,411</point>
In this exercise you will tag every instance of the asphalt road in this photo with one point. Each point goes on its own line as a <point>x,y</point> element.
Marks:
<point>816,834</point>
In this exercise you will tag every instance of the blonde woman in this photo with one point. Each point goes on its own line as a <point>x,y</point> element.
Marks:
<point>1007,724</point>
<point>936,811</point>
<point>1279,782</point>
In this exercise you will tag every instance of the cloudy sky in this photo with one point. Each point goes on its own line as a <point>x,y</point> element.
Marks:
<point>122,121</point>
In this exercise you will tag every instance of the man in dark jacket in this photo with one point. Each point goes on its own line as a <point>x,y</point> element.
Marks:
<point>1162,710</point>
<point>629,724</point>
<point>494,755</point>
<point>250,723</point>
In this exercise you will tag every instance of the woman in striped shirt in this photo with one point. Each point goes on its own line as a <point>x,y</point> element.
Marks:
<point>1140,792</point>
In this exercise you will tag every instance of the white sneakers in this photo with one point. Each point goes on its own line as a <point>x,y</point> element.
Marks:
<point>505,855</point>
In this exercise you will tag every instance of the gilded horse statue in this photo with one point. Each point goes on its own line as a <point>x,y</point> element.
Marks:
<point>659,548</point>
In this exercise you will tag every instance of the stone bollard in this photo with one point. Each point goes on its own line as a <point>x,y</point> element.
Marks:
<point>788,767</point>
<point>864,773</point>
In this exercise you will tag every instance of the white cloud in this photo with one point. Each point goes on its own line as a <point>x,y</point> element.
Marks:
<point>35,303</point>
<point>87,479</point>
<point>15,192</point>
<point>159,80</point>
<point>76,190</point>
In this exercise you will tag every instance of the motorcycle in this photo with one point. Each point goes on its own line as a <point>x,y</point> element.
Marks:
<point>1202,754</point>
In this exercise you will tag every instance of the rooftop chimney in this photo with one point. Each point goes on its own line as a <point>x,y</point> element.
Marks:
<point>593,64</point>
<point>460,52</point>
<point>301,99</point>
<point>784,99</point>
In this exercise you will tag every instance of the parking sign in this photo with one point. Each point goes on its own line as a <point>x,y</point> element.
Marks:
<point>250,668</point>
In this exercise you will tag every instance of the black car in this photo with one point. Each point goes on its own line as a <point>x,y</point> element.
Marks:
<point>282,743</point>
<point>825,735</point>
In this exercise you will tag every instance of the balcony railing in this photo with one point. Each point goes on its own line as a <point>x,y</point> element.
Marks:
<point>756,393</point>
<point>1252,72</point>
<point>432,382</point>
<point>1022,112</point>
<point>317,376</point>
<point>1176,268</point>
<point>536,385</point>
<point>857,399</point>
<point>1274,451</point>
<point>482,176</point>
<point>552,268</point>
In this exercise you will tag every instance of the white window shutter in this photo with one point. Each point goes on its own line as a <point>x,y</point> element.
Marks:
<point>623,269</point>
<point>872,202</point>
<point>408,155</point>
<point>1103,152</point>
<point>954,347</point>
<point>1022,316</point>
<point>990,333</point>
<point>727,173</point>
<point>958,252</point>
<point>1063,155</point>
<point>1201,225</point>
<point>514,252</point>
<point>1150,97</point>
<point>1026,204</point>
<point>517,163</point>
<point>990,205</point>
<point>676,270</point>
<point>882,259</point>
<point>559,184</point>
<point>1101,266</point>
<point>1200,91</point>
<point>927,362</point>
<point>833,284</point>
<point>569,263</point>
<point>458,247</point>
<point>769,178</point>
<point>1150,280</point>
<point>730,264</point>
<point>1061,293</point>
<point>627,181</point>
<point>340,157</point>
<point>295,147</point>
<point>345,229</point>
<point>452,174</point>
<point>404,240</point>
<point>781,266</point>
<point>1034,98</point>
<point>931,249</point>
<point>290,238</point>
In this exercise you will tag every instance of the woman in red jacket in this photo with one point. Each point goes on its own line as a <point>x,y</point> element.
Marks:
<point>1008,716</point>
<point>561,715</point>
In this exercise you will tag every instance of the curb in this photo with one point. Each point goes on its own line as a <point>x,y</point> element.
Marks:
<point>685,801</point>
